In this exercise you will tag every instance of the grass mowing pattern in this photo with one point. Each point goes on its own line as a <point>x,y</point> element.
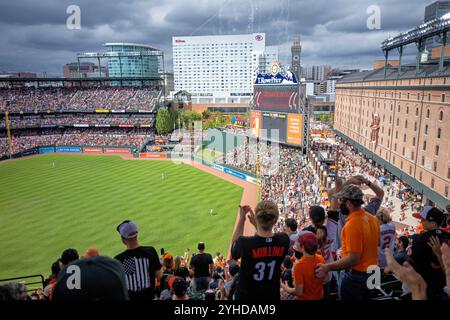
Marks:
<point>79,202</point>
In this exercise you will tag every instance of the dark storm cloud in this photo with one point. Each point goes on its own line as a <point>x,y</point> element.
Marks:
<point>34,35</point>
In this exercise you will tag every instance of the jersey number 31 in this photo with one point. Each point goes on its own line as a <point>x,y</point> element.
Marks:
<point>261,268</point>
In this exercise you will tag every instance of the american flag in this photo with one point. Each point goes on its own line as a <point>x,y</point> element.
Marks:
<point>137,273</point>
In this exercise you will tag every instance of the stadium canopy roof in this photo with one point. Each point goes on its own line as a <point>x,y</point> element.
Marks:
<point>426,30</point>
<point>130,44</point>
<point>119,54</point>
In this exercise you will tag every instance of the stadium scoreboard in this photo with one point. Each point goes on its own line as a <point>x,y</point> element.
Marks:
<point>276,106</point>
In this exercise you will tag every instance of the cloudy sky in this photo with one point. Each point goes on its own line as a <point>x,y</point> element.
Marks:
<point>34,35</point>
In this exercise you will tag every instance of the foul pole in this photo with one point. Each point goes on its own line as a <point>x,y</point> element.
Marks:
<point>9,133</point>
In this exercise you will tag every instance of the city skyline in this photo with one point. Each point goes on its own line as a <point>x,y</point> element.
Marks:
<point>36,37</point>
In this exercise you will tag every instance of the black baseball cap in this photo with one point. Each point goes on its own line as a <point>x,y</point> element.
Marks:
<point>430,214</point>
<point>317,214</point>
<point>100,278</point>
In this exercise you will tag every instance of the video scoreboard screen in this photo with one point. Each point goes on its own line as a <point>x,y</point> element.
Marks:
<point>276,98</point>
<point>264,124</point>
<point>275,114</point>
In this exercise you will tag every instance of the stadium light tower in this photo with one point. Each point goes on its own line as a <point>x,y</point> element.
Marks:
<point>418,35</point>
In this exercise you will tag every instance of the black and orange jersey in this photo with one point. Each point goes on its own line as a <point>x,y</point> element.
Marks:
<point>261,259</point>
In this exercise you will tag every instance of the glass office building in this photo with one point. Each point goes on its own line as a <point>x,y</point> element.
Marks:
<point>133,60</point>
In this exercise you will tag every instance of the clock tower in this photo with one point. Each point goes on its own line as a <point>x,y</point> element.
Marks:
<point>296,51</point>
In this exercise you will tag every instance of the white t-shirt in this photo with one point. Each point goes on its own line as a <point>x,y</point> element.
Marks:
<point>387,240</point>
<point>332,228</point>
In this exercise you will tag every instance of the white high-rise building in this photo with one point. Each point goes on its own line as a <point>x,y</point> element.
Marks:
<point>220,69</point>
<point>331,86</point>
<point>317,73</point>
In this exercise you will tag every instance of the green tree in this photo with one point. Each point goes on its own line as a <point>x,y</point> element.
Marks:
<point>206,114</point>
<point>164,123</point>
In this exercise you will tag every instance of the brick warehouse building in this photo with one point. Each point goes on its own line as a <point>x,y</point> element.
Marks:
<point>402,121</point>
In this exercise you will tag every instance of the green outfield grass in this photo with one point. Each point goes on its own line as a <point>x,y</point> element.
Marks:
<point>79,201</point>
<point>209,155</point>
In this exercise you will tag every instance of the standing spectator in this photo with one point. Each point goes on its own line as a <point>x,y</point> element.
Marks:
<point>359,237</point>
<point>50,283</point>
<point>326,232</point>
<point>422,257</point>
<point>401,245</point>
<point>141,264</point>
<point>387,236</point>
<point>232,276</point>
<point>287,277</point>
<point>261,255</point>
<point>291,230</point>
<point>180,270</point>
<point>372,206</point>
<point>307,285</point>
<point>203,267</point>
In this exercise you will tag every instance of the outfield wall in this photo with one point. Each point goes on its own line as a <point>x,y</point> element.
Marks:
<point>132,150</point>
<point>74,149</point>
<point>220,167</point>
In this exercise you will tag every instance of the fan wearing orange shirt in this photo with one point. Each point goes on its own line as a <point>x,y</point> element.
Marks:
<point>360,238</point>
<point>307,285</point>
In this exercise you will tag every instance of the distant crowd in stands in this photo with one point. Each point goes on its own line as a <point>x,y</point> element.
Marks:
<point>70,120</point>
<point>79,99</point>
<point>75,137</point>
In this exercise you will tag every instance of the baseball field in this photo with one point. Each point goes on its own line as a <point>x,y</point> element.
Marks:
<point>52,202</point>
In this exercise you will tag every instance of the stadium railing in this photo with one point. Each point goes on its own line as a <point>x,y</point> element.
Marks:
<point>32,285</point>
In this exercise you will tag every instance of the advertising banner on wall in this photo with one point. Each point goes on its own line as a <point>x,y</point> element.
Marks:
<point>92,150</point>
<point>29,152</point>
<point>46,150</point>
<point>153,155</point>
<point>117,150</point>
<point>295,129</point>
<point>255,123</point>
<point>69,149</point>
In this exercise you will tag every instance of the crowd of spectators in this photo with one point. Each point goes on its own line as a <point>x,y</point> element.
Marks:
<point>299,267</point>
<point>76,137</point>
<point>80,99</point>
<point>318,249</point>
<point>70,120</point>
